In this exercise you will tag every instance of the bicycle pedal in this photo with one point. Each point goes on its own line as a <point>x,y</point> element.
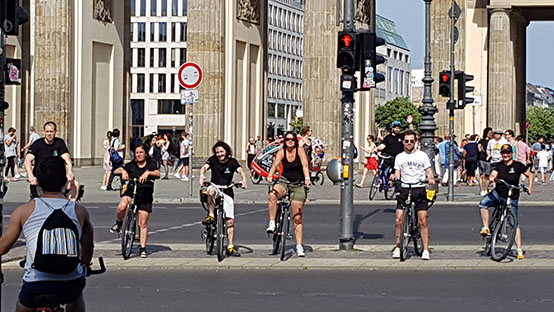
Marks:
<point>289,236</point>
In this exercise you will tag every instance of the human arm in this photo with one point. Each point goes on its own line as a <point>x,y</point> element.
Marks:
<point>493,175</point>
<point>9,140</point>
<point>410,120</point>
<point>430,175</point>
<point>87,235</point>
<point>529,177</point>
<point>381,147</point>
<point>203,170</point>
<point>15,226</point>
<point>151,172</point>
<point>68,167</point>
<point>124,174</point>
<point>276,163</point>
<point>305,166</point>
<point>29,158</point>
<point>243,176</point>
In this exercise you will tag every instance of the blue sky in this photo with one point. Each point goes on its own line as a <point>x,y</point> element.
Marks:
<point>410,22</point>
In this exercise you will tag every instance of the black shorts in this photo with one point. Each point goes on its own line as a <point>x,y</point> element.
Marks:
<point>143,199</point>
<point>185,161</point>
<point>64,291</point>
<point>471,167</point>
<point>419,198</point>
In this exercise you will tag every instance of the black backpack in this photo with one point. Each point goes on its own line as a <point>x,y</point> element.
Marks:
<point>57,244</point>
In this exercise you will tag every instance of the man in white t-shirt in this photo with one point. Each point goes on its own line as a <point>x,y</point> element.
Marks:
<point>410,167</point>
<point>493,148</point>
<point>184,154</point>
<point>544,157</point>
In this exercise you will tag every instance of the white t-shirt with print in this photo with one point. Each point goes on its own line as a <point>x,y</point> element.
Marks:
<point>185,147</point>
<point>543,159</point>
<point>412,167</point>
<point>494,147</point>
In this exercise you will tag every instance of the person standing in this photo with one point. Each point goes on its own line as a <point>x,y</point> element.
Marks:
<point>119,148</point>
<point>33,136</point>
<point>10,151</point>
<point>523,151</point>
<point>184,154</point>
<point>306,143</point>
<point>251,151</point>
<point>484,163</point>
<point>106,163</point>
<point>471,155</point>
<point>493,148</point>
<point>536,148</point>
<point>259,143</point>
<point>544,158</point>
<point>166,148</point>
<point>371,159</point>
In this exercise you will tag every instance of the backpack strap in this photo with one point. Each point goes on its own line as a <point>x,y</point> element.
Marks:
<point>52,208</point>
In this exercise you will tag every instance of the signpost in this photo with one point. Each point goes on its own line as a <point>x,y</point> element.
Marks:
<point>190,77</point>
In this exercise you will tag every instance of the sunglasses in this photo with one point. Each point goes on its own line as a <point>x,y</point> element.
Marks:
<point>409,141</point>
<point>289,139</point>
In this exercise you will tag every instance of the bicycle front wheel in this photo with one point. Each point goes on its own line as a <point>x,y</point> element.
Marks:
<point>404,236</point>
<point>128,232</point>
<point>220,236</point>
<point>503,237</point>
<point>210,239</point>
<point>320,178</point>
<point>277,232</point>
<point>256,178</point>
<point>416,236</point>
<point>284,234</point>
<point>374,186</point>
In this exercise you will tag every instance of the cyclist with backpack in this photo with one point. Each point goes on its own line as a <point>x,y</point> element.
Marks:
<point>49,222</point>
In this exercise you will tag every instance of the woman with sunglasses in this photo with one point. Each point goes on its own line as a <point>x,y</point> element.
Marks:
<point>295,170</point>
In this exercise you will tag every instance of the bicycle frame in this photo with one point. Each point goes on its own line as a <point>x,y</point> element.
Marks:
<point>410,230</point>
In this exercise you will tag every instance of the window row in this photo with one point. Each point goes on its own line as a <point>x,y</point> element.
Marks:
<point>159,32</point>
<point>157,83</point>
<point>276,110</point>
<point>159,7</point>
<point>399,56</point>
<point>158,57</point>
<point>284,66</point>
<point>285,43</point>
<point>398,81</point>
<point>286,19</point>
<point>284,90</point>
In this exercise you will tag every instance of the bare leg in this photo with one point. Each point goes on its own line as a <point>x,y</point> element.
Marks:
<point>297,209</point>
<point>364,174</point>
<point>518,238</point>
<point>424,226</point>
<point>485,216</point>
<point>231,231</point>
<point>398,225</point>
<point>122,207</point>
<point>274,195</point>
<point>143,217</point>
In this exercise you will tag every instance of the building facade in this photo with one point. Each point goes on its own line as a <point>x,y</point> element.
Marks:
<point>158,33</point>
<point>285,58</point>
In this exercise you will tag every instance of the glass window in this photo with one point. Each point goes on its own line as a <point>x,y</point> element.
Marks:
<point>185,5</point>
<point>133,8</point>
<point>172,83</point>
<point>142,7</point>
<point>389,79</point>
<point>163,32</point>
<point>151,84</point>
<point>140,83</point>
<point>153,7</point>
<point>164,8</point>
<point>141,57</point>
<point>162,57</point>
<point>173,30</point>
<point>161,83</point>
<point>183,56</point>
<point>170,107</point>
<point>396,81</point>
<point>173,63</point>
<point>401,82</point>
<point>271,109</point>
<point>175,7</point>
<point>183,32</point>
<point>132,31</point>
<point>152,57</point>
<point>137,117</point>
<point>141,32</point>
<point>152,32</point>
<point>281,111</point>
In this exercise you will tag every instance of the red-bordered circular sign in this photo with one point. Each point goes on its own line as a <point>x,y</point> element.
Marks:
<point>190,75</point>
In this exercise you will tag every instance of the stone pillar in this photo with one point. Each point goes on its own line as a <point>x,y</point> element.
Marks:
<point>206,47</point>
<point>501,110</point>
<point>519,38</point>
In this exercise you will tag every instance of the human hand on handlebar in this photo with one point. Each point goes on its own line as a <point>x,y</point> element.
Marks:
<point>125,176</point>
<point>243,186</point>
<point>269,179</point>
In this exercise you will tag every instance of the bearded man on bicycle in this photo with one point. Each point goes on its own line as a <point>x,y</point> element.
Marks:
<point>509,171</point>
<point>223,167</point>
<point>410,167</point>
<point>144,169</point>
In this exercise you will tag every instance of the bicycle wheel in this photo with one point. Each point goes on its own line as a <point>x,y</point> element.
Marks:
<point>220,235</point>
<point>128,231</point>
<point>503,237</point>
<point>416,237</point>
<point>256,178</point>
<point>277,232</point>
<point>374,186</point>
<point>285,233</point>
<point>488,240</point>
<point>388,189</point>
<point>404,236</point>
<point>210,239</point>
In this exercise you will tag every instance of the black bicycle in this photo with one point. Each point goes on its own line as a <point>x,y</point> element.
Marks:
<point>129,227</point>
<point>282,221</point>
<point>410,230</point>
<point>381,181</point>
<point>216,232</point>
<point>504,225</point>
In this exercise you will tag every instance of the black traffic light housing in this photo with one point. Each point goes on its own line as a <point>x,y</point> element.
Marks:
<point>12,15</point>
<point>444,83</point>
<point>369,59</point>
<point>463,89</point>
<point>347,55</point>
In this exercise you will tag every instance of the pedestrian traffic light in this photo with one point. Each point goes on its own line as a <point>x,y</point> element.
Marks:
<point>369,59</point>
<point>463,100</point>
<point>444,83</point>
<point>347,56</point>
<point>12,15</point>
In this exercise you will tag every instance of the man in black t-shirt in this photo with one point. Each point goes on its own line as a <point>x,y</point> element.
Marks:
<point>44,148</point>
<point>144,169</point>
<point>391,146</point>
<point>509,171</point>
<point>223,167</point>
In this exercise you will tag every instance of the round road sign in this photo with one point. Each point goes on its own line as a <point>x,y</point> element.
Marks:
<point>190,75</point>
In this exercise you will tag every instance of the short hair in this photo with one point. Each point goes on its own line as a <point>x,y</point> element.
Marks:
<point>225,146</point>
<point>472,137</point>
<point>304,130</point>
<point>510,132</point>
<point>410,132</point>
<point>32,128</point>
<point>11,129</point>
<point>51,174</point>
<point>370,136</point>
<point>143,146</point>
<point>51,123</point>
<point>115,132</point>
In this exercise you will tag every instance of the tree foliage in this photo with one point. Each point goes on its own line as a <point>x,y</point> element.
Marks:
<point>541,123</point>
<point>397,109</point>
<point>297,124</point>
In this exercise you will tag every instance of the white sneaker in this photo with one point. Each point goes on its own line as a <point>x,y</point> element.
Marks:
<point>23,174</point>
<point>184,178</point>
<point>178,176</point>
<point>17,176</point>
<point>103,187</point>
<point>536,179</point>
<point>300,251</point>
<point>484,193</point>
<point>425,255</point>
<point>396,253</point>
<point>270,229</point>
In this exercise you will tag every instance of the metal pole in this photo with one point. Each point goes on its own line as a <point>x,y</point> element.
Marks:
<point>2,160</point>
<point>191,110</point>
<point>428,110</point>
<point>451,109</point>
<point>346,238</point>
<point>473,108</point>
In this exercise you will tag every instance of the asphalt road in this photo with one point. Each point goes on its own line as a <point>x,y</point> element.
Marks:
<point>311,290</point>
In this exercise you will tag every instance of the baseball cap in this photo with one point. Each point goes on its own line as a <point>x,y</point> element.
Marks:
<point>498,131</point>
<point>506,148</point>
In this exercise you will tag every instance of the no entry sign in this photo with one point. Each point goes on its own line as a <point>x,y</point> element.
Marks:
<point>190,75</point>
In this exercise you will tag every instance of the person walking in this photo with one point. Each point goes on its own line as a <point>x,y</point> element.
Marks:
<point>484,163</point>
<point>184,154</point>
<point>471,156</point>
<point>119,148</point>
<point>544,158</point>
<point>106,163</point>
<point>10,151</point>
<point>371,159</point>
<point>251,151</point>
<point>166,147</point>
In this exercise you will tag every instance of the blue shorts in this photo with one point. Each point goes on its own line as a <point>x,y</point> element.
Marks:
<point>492,199</point>
<point>63,291</point>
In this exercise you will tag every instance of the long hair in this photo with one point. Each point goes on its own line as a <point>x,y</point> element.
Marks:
<point>486,132</point>
<point>225,146</point>
<point>285,139</point>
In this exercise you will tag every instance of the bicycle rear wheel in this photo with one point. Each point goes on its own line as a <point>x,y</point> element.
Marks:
<point>320,177</point>
<point>128,232</point>
<point>277,232</point>
<point>503,237</point>
<point>285,233</point>
<point>220,235</point>
<point>256,178</point>
<point>404,236</point>
<point>388,189</point>
<point>416,236</point>
<point>374,186</point>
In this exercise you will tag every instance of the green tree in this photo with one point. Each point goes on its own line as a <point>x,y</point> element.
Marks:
<point>297,124</point>
<point>397,109</point>
<point>541,123</point>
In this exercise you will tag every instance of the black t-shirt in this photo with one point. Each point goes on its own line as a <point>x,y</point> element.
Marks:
<point>222,173</point>
<point>472,151</point>
<point>483,152</point>
<point>42,150</point>
<point>145,190</point>
<point>393,145</point>
<point>511,174</point>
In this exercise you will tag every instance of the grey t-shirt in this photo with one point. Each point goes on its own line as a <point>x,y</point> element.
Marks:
<point>10,150</point>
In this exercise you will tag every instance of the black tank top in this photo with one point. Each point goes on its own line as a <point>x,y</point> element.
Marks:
<point>292,171</point>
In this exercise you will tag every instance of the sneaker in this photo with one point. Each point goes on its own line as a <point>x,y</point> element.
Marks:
<point>103,187</point>
<point>484,193</point>
<point>23,174</point>
<point>536,179</point>
<point>396,253</point>
<point>300,251</point>
<point>109,188</point>
<point>184,178</point>
<point>520,254</point>
<point>17,176</point>
<point>143,253</point>
<point>178,176</point>
<point>543,183</point>
<point>425,255</point>
<point>232,251</point>
<point>208,220</point>
<point>485,231</point>
<point>116,227</point>
<point>270,229</point>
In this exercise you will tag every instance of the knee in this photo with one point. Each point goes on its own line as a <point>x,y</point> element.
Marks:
<point>230,222</point>
<point>272,196</point>
<point>297,219</point>
<point>143,224</point>
<point>422,222</point>
<point>398,221</point>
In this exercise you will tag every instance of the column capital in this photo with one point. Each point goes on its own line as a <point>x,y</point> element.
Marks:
<point>499,9</point>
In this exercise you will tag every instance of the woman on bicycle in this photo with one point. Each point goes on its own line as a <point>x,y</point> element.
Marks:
<point>295,170</point>
<point>144,169</point>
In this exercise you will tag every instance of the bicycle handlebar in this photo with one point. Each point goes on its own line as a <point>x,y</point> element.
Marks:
<point>301,183</point>
<point>102,269</point>
<point>510,186</point>
<point>135,180</point>
<point>222,187</point>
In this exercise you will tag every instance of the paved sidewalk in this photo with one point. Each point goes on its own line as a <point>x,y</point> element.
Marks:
<point>174,190</point>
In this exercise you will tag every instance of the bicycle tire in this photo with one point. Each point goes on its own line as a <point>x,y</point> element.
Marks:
<point>256,178</point>
<point>320,178</point>
<point>492,225</point>
<point>404,236</point>
<point>388,189</point>
<point>128,231</point>
<point>416,237</point>
<point>210,239</point>
<point>278,228</point>
<point>374,186</point>
<point>284,234</point>
<point>220,237</point>
<point>503,237</point>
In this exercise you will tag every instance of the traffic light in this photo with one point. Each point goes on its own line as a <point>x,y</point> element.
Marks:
<point>444,83</point>
<point>463,100</point>
<point>347,56</point>
<point>4,105</point>
<point>12,15</point>
<point>369,59</point>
